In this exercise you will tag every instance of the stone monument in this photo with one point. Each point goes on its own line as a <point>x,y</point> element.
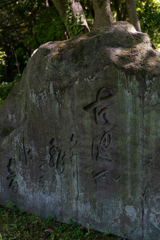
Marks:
<point>80,133</point>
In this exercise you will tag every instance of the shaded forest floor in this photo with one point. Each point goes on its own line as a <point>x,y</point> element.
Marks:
<point>20,225</point>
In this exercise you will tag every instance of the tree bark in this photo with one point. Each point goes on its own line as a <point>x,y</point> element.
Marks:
<point>76,9</point>
<point>131,9</point>
<point>103,13</point>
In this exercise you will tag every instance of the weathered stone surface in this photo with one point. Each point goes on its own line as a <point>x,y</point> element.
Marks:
<point>80,133</point>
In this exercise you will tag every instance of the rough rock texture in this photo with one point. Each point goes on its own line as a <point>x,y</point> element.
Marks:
<point>80,133</point>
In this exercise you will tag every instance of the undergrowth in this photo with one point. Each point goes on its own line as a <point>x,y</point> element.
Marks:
<point>16,224</point>
<point>6,87</point>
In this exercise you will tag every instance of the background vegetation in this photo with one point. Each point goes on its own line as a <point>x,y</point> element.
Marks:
<point>20,225</point>
<point>26,24</point>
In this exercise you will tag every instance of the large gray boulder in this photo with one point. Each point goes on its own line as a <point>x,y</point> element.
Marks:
<point>80,133</point>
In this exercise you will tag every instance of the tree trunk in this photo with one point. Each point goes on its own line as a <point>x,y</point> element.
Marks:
<point>103,13</point>
<point>76,9</point>
<point>131,9</point>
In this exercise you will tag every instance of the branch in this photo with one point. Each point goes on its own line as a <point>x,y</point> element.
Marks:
<point>133,17</point>
<point>116,4</point>
<point>124,14</point>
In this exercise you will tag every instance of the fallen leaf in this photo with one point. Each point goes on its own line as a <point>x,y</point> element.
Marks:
<point>82,227</point>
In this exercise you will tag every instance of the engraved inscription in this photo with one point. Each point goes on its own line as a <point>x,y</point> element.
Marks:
<point>104,145</point>
<point>20,155</point>
<point>74,143</point>
<point>56,160</point>
<point>99,151</point>
<point>145,194</point>
<point>53,152</point>
<point>41,181</point>
<point>60,163</point>
<point>147,183</point>
<point>74,140</point>
<point>56,157</point>
<point>23,155</point>
<point>24,149</point>
<point>41,167</point>
<point>104,111</point>
<point>99,100</point>
<point>29,152</point>
<point>112,174</point>
<point>13,185</point>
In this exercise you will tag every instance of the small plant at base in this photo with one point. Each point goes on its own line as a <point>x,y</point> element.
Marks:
<point>88,233</point>
<point>50,219</point>
<point>107,232</point>
<point>71,222</point>
<point>9,204</point>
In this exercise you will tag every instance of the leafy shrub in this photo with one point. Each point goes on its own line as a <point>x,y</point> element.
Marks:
<point>6,87</point>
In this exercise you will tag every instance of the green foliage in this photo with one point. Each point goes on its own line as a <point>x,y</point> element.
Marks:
<point>16,224</point>
<point>9,204</point>
<point>50,219</point>
<point>149,15</point>
<point>2,60</point>
<point>5,88</point>
<point>50,27</point>
<point>108,232</point>
<point>73,28</point>
<point>2,56</point>
<point>2,64</point>
<point>119,10</point>
<point>25,25</point>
